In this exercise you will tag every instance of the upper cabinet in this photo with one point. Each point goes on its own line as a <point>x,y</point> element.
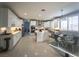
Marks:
<point>8,18</point>
<point>3,17</point>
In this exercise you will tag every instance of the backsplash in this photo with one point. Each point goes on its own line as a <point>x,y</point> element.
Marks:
<point>10,29</point>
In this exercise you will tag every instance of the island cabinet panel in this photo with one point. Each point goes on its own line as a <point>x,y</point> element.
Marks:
<point>15,39</point>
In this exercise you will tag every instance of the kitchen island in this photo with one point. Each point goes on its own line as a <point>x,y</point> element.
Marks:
<point>9,40</point>
<point>5,40</point>
<point>41,34</point>
<point>16,36</point>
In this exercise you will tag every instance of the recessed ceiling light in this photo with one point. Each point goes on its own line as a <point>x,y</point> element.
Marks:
<point>43,9</point>
<point>39,15</point>
<point>25,14</point>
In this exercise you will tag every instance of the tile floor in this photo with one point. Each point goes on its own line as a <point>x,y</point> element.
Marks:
<point>27,47</point>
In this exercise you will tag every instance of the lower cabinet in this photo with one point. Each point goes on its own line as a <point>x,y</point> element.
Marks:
<point>14,40</point>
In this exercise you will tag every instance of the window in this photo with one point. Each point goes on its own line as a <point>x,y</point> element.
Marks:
<point>64,24</point>
<point>52,24</point>
<point>55,23</point>
<point>58,22</point>
<point>73,23</point>
<point>33,23</point>
<point>47,24</point>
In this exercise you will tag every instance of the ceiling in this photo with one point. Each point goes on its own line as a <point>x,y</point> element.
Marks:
<point>32,10</point>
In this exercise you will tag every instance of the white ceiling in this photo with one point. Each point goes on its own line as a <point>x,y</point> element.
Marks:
<point>33,9</point>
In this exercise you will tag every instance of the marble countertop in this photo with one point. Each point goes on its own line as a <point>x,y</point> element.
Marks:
<point>10,35</point>
<point>15,32</point>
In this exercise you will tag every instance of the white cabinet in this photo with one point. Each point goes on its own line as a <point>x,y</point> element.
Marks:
<point>12,19</point>
<point>3,17</point>
<point>15,38</point>
<point>8,18</point>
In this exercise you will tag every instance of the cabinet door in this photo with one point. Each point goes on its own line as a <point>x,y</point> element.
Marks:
<point>14,40</point>
<point>10,18</point>
<point>0,17</point>
<point>3,17</point>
